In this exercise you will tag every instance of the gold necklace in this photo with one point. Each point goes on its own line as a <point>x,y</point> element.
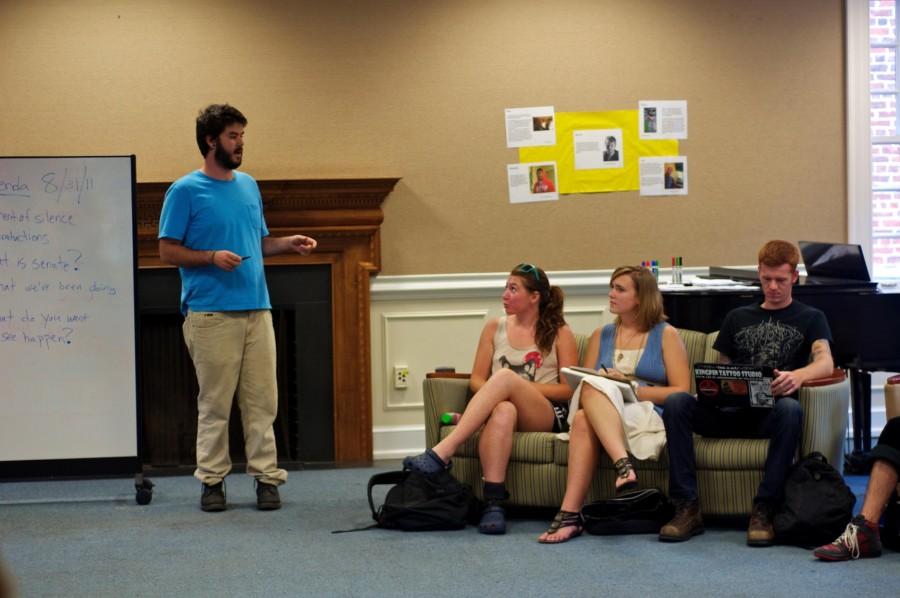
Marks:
<point>620,355</point>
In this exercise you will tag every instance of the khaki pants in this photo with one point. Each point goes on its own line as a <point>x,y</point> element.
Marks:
<point>234,351</point>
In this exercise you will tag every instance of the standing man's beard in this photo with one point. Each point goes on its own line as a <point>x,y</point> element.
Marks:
<point>225,160</point>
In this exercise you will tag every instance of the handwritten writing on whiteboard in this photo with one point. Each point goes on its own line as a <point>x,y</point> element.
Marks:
<point>54,262</point>
<point>67,308</point>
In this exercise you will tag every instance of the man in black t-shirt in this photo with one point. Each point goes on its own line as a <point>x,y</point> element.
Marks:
<point>781,333</point>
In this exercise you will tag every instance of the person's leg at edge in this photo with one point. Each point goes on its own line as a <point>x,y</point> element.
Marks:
<point>862,537</point>
<point>584,452</point>
<point>884,476</point>
<point>258,399</point>
<point>882,483</point>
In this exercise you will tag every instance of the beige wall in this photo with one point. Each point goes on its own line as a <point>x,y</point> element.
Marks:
<point>417,89</point>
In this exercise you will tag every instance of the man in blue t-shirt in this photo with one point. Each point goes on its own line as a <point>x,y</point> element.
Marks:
<point>781,333</point>
<point>212,227</point>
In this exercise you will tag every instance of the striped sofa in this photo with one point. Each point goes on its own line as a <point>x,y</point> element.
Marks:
<point>728,470</point>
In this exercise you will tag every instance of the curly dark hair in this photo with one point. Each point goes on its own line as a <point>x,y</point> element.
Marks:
<point>550,307</point>
<point>212,121</point>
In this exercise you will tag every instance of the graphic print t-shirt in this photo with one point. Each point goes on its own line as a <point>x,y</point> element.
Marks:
<point>527,363</point>
<point>781,338</point>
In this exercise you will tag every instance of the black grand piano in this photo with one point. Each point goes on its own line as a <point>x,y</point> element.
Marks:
<point>864,320</point>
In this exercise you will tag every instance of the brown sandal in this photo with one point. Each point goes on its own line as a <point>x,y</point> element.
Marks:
<point>624,466</point>
<point>563,520</point>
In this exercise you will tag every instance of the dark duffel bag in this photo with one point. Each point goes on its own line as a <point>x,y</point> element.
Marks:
<point>637,512</point>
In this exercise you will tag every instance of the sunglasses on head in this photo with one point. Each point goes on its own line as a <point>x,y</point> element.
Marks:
<point>529,269</point>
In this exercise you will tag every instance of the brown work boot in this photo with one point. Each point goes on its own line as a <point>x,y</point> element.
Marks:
<point>761,531</point>
<point>687,523</point>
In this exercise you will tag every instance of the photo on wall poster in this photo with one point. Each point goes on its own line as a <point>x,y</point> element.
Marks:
<point>532,182</point>
<point>664,175</point>
<point>598,148</point>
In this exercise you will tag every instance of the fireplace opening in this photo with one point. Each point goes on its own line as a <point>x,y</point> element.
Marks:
<point>302,318</point>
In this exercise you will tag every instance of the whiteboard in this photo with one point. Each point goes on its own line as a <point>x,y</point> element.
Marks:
<point>68,308</point>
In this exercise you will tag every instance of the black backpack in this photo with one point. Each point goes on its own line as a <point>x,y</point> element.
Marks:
<point>817,504</point>
<point>421,502</point>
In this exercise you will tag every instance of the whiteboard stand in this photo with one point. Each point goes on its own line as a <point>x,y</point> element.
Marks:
<point>69,319</point>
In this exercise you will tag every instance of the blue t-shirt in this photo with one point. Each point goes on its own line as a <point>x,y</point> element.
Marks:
<point>204,213</point>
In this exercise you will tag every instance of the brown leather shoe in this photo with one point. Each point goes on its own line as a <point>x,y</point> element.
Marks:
<point>761,531</point>
<point>687,523</point>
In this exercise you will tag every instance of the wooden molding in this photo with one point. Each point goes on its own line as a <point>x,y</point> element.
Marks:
<point>344,216</point>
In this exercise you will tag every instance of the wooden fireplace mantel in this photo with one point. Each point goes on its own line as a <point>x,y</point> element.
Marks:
<point>344,216</point>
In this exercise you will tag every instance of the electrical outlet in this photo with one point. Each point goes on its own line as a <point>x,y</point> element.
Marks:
<point>401,376</point>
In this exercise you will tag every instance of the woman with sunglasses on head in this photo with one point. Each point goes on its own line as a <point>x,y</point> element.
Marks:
<point>640,349</point>
<point>516,383</point>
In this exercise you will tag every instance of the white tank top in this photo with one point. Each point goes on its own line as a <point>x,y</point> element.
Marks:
<point>528,362</point>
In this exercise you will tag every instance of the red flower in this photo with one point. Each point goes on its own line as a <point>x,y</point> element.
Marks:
<point>535,357</point>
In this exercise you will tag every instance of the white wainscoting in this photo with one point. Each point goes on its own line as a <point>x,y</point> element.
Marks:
<point>424,341</point>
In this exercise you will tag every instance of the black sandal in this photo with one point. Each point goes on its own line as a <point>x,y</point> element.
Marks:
<point>563,520</point>
<point>624,466</point>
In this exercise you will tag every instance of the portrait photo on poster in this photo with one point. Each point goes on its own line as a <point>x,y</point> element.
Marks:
<point>662,119</point>
<point>598,148</point>
<point>532,182</point>
<point>649,119</point>
<point>664,175</point>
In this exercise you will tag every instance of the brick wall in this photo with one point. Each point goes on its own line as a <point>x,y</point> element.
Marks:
<point>885,157</point>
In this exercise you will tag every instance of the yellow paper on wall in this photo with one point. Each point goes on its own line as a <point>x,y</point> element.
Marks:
<point>593,180</point>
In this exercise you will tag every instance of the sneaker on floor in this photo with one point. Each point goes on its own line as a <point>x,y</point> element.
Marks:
<point>267,497</point>
<point>859,541</point>
<point>213,497</point>
<point>761,531</point>
<point>686,523</point>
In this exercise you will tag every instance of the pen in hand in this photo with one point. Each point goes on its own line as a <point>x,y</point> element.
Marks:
<point>245,257</point>
<point>603,367</point>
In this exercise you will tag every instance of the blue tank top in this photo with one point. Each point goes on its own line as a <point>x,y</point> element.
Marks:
<point>650,367</point>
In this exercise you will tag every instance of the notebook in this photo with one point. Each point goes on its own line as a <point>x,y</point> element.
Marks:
<point>734,386</point>
<point>574,375</point>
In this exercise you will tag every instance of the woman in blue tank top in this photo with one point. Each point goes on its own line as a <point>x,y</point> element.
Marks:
<point>646,354</point>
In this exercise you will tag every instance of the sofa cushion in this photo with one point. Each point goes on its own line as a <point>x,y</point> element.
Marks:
<point>531,447</point>
<point>730,453</point>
